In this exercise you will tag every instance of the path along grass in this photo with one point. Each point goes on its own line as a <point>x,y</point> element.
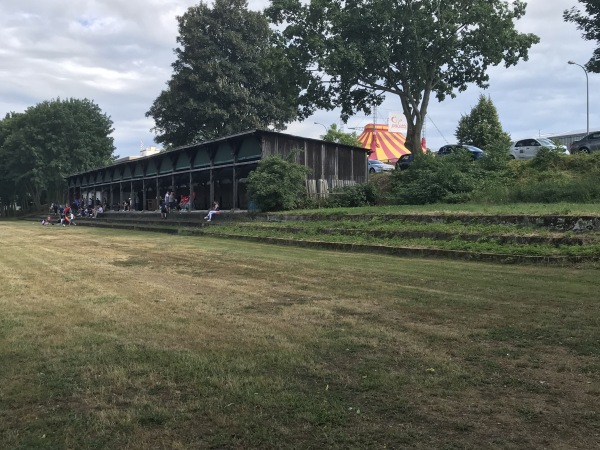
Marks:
<point>115,339</point>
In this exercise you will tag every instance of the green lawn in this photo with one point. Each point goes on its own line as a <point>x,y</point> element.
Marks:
<point>137,340</point>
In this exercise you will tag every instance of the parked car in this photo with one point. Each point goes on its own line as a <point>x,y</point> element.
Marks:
<point>528,148</point>
<point>476,152</point>
<point>404,161</point>
<point>587,144</point>
<point>376,166</point>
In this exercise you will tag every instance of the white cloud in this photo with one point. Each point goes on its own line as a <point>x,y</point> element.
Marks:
<point>119,55</point>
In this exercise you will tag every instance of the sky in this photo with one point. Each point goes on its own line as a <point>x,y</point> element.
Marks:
<point>119,55</point>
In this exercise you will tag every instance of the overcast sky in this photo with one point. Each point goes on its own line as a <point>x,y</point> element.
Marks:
<point>119,55</point>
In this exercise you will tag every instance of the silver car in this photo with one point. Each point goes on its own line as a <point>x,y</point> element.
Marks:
<point>528,148</point>
<point>376,166</point>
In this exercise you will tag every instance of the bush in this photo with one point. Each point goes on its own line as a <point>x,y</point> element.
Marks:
<point>547,158</point>
<point>277,185</point>
<point>550,177</point>
<point>382,182</point>
<point>430,179</point>
<point>496,155</point>
<point>554,190</point>
<point>354,196</point>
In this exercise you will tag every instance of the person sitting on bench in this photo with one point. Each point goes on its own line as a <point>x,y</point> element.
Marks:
<point>214,210</point>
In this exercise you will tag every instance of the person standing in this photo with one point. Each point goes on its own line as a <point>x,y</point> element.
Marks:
<point>164,211</point>
<point>167,199</point>
<point>171,200</point>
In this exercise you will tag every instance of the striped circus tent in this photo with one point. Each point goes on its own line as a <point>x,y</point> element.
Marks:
<point>385,145</point>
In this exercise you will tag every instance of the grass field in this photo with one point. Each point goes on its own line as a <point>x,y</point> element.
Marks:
<point>117,340</point>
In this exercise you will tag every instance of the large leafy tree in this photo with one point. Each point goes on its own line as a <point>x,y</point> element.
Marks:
<point>40,147</point>
<point>357,51</point>
<point>228,77</point>
<point>589,23</point>
<point>481,127</point>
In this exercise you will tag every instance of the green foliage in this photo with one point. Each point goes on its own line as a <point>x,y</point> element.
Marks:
<point>353,196</point>
<point>555,189</point>
<point>340,137</point>
<point>431,179</point>
<point>496,154</point>
<point>550,177</point>
<point>412,50</point>
<point>49,141</point>
<point>589,24</point>
<point>553,177</point>
<point>481,127</point>
<point>228,77</point>
<point>546,158</point>
<point>277,185</point>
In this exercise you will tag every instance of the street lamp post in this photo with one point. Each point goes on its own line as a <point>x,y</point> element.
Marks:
<point>317,123</point>
<point>587,86</point>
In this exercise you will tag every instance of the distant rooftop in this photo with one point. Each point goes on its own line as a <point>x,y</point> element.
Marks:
<point>148,151</point>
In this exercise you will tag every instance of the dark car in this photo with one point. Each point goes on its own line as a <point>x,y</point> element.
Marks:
<point>476,152</point>
<point>587,144</point>
<point>404,161</point>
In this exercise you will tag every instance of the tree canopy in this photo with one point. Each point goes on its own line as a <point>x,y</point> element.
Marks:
<point>47,142</point>
<point>481,127</point>
<point>228,77</point>
<point>334,134</point>
<point>355,52</point>
<point>589,23</point>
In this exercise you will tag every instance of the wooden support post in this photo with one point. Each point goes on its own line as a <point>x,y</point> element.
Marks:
<point>191,200</point>
<point>144,196</point>
<point>235,188</point>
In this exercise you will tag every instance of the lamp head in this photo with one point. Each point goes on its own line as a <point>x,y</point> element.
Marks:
<point>571,62</point>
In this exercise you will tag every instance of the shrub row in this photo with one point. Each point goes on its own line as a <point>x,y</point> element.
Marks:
<point>550,177</point>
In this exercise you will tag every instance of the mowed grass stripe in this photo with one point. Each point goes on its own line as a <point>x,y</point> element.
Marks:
<point>114,339</point>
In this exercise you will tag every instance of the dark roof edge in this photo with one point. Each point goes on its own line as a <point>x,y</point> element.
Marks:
<point>224,138</point>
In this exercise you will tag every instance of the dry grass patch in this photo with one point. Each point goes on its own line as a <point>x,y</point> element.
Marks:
<point>137,340</point>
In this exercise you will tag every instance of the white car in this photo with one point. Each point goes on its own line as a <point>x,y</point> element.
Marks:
<point>528,148</point>
<point>376,166</point>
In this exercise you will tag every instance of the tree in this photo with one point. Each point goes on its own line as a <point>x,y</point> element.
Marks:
<point>589,23</point>
<point>357,51</point>
<point>228,77</point>
<point>336,135</point>
<point>481,127</point>
<point>40,147</point>
<point>277,184</point>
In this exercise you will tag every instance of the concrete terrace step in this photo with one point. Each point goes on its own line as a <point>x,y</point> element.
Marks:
<point>179,216</point>
<point>194,224</point>
<point>550,222</point>
<point>183,219</point>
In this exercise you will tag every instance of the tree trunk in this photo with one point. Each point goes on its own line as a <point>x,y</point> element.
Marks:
<point>413,137</point>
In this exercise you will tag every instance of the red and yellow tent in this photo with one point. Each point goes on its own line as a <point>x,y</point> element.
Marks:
<point>385,146</point>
